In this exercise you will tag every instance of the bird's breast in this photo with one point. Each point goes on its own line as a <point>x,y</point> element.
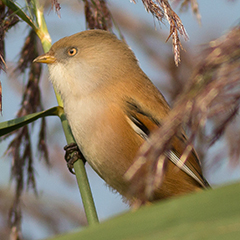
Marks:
<point>105,138</point>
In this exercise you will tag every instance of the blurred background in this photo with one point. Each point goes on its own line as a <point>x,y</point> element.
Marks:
<point>57,207</point>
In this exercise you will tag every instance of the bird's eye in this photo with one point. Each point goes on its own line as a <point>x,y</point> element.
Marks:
<point>72,52</point>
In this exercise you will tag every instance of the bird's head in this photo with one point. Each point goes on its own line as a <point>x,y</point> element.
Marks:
<point>88,59</point>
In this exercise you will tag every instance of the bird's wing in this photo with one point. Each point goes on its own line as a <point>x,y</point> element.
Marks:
<point>143,124</point>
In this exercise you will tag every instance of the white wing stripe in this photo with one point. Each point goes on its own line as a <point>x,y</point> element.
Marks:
<point>175,160</point>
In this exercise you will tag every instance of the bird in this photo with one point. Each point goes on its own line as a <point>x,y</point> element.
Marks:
<point>112,108</point>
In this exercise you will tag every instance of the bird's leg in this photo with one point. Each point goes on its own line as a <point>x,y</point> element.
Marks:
<point>73,154</point>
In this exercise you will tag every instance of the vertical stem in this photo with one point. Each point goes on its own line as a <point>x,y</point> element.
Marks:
<point>79,167</point>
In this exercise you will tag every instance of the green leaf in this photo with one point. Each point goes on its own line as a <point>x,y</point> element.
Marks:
<point>11,125</point>
<point>17,10</point>
<point>208,215</point>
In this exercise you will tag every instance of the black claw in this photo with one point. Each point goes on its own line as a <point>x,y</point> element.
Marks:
<point>72,155</point>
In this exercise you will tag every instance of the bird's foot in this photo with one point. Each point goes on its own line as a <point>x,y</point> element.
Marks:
<point>73,154</point>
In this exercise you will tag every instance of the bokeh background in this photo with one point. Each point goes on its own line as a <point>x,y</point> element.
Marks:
<point>57,207</point>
